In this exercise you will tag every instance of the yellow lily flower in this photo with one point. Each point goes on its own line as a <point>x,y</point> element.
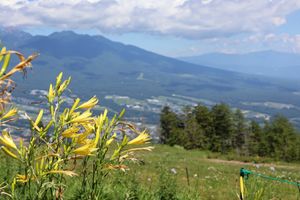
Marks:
<point>63,86</point>
<point>142,138</point>
<point>89,104</point>
<point>139,149</point>
<point>7,140</point>
<point>85,150</point>
<point>10,113</point>
<point>88,127</point>
<point>21,178</point>
<point>9,153</point>
<point>65,172</point>
<point>115,167</point>
<point>58,79</point>
<point>38,120</point>
<point>99,122</point>
<point>71,132</point>
<point>113,137</point>
<point>51,94</point>
<point>82,138</point>
<point>3,50</point>
<point>84,141</point>
<point>39,117</point>
<point>76,102</point>
<point>86,116</point>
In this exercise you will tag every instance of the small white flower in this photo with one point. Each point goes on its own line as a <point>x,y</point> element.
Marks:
<point>212,168</point>
<point>173,170</point>
<point>272,169</point>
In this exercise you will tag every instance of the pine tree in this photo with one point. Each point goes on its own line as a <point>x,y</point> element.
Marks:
<point>204,119</point>
<point>223,128</point>
<point>282,139</point>
<point>240,132</point>
<point>168,120</point>
<point>171,128</point>
<point>256,143</point>
<point>195,134</point>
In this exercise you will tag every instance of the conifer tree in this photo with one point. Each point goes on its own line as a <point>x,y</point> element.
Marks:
<point>204,119</point>
<point>281,137</point>
<point>239,132</point>
<point>256,145</point>
<point>171,127</point>
<point>223,128</point>
<point>195,134</point>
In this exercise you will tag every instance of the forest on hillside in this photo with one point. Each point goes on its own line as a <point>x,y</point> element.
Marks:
<point>224,130</point>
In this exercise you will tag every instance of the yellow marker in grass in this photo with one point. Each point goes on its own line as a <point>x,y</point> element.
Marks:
<point>242,189</point>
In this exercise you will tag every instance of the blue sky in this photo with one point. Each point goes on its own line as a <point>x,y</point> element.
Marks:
<point>169,27</point>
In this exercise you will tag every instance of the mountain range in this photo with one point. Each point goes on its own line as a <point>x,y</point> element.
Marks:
<point>268,63</point>
<point>105,68</point>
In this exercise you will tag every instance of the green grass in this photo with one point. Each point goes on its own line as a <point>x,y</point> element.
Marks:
<point>208,178</point>
<point>213,178</point>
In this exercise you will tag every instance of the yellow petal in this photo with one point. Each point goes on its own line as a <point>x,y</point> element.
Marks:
<point>21,178</point>
<point>120,167</point>
<point>9,153</point>
<point>82,139</point>
<point>5,63</point>
<point>71,132</point>
<point>89,104</point>
<point>39,117</point>
<point>63,86</point>
<point>99,123</point>
<point>51,94</point>
<point>68,173</point>
<point>86,116</point>
<point>140,149</point>
<point>58,79</point>
<point>76,102</point>
<point>7,140</point>
<point>87,149</point>
<point>113,137</point>
<point>10,113</point>
<point>141,139</point>
<point>2,52</point>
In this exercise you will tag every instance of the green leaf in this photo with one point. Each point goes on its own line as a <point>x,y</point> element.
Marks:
<point>2,51</point>
<point>5,64</point>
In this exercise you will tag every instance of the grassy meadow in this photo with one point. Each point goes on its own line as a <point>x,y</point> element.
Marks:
<point>161,174</point>
<point>213,178</point>
<point>208,178</point>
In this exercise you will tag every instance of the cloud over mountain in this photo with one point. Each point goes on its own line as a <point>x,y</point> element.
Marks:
<point>193,19</point>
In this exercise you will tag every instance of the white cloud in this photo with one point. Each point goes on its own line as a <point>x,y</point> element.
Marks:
<point>185,18</point>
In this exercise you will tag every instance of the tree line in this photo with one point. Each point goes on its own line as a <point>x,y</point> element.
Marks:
<point>225,130</point>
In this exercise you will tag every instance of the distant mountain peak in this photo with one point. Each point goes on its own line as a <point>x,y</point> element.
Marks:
<point>13,37</point>
<point>66,33</point>
<point>13,31</point>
